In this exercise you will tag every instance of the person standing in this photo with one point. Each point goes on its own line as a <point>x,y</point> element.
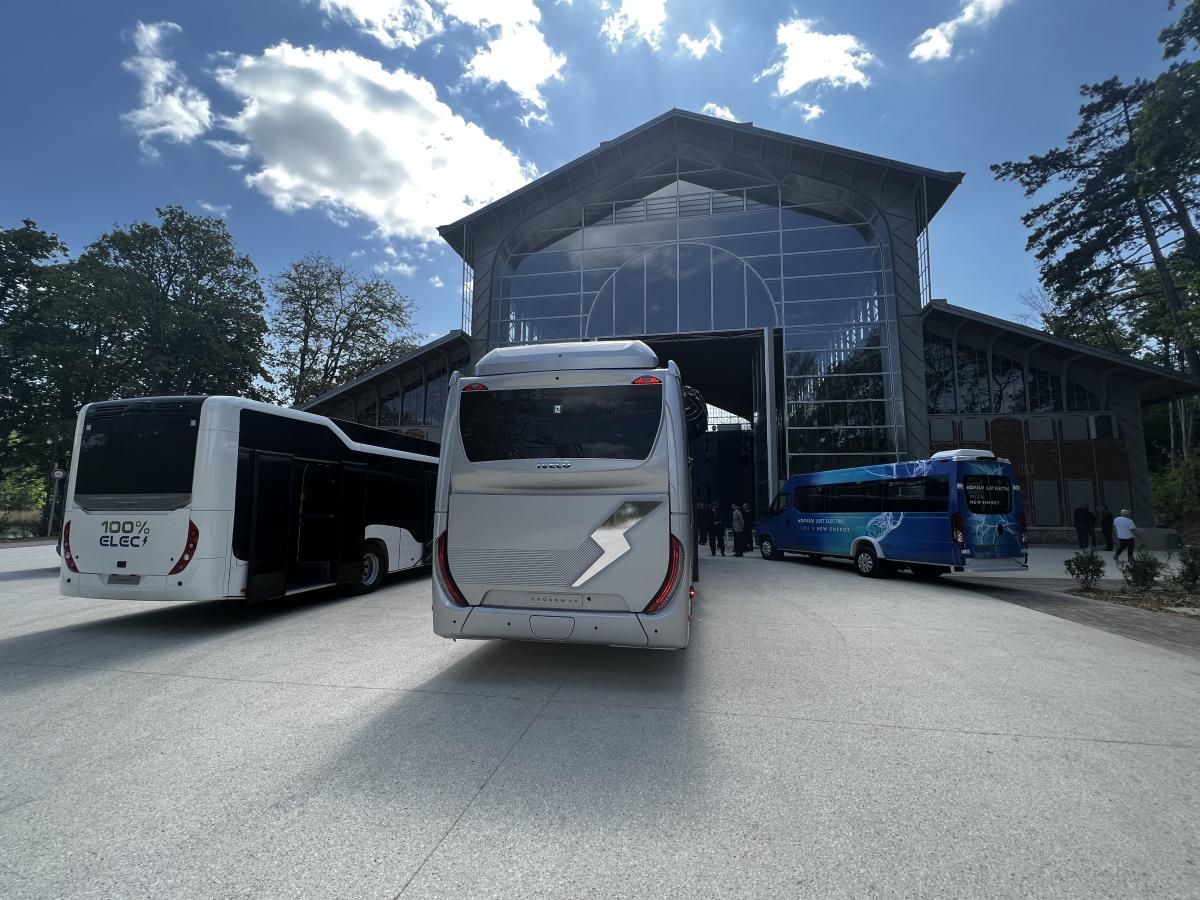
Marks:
<point>716,530</point>
<point>1126,533</point>
<point>701,524</point>
<point>738,523</point>
<point>1106,527</point>
<point>1085,525</point>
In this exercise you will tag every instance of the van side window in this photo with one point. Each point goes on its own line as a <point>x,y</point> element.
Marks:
<point>861,496</point>
<point>810,498</point>
<point>930,494</point>
<point>779,504</point>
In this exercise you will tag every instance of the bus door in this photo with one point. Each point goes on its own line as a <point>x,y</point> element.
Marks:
<point>990,511</point>
<point>273,525</point>
<point>319,510</point>
<point>351,523</point>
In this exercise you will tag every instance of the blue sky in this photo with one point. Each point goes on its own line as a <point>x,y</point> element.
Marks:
<point>354,127</point>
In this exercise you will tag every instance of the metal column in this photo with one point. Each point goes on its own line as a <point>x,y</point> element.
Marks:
<point>769,424</point>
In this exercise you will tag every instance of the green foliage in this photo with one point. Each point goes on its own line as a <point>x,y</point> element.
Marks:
<point>1188,576</point>
<point>1176,493</point>
<point>1086,567</point>
<point>22,489</point>
<point>1143,571</point>
<point>329,325</point>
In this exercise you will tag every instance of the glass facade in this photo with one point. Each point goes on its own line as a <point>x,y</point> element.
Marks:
<point>684,258</point>
<point>961,379</point>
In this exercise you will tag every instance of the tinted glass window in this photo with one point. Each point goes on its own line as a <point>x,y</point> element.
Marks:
<point>778,505</point>
<point>607,422</point>
<point>810,498</point>
<point>931,494</point>
<point>863,496</point>
<point>991,494</point>
<point>138,448</point>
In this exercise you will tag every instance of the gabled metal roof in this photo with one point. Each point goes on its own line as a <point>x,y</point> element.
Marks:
<point>582,170</point>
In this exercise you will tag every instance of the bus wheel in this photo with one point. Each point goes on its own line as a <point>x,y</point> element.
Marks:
<point>374,563</point>
<point>767,548</point>
<point>929,572</point>
<point>866,563</point>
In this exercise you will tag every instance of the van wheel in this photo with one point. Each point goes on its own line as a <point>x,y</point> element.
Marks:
<point>866,563</point>
<point>374,564</point>
<point>767,548</point>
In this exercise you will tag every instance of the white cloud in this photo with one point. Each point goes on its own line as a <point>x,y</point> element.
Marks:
<point>339,132</point>
<point>171,109</point>
<point>515,53</point>
<point>437,282</point>
<point>214,209</point>
<point>233,151</point>
<point>518,55</point>
<point>698,48</point>
<point>403,269</point>
<point>811,57</point>
<point>635,19</point>
<point>938,42</point>
<point>394,23</point>
<point>721,112</point>
<point>810,111</point>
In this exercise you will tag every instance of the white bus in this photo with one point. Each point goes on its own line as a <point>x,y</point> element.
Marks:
<point>199,498</point>
<point>564,502</point>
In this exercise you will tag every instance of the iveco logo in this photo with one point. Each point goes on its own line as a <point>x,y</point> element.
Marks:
<point>554,465</point>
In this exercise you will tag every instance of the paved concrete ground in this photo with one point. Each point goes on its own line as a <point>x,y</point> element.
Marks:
<point>823,736</point>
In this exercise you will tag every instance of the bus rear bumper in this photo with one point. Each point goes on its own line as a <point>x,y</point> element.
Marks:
<point>669,629</point>
<point>203,579</point>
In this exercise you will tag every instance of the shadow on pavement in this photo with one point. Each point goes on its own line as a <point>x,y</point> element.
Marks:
<point>29,574</point>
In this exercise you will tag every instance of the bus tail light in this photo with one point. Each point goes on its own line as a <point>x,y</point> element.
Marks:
<point>66,549</point>
<point>443,565</point>
<point>474,386</point>
<point>189,549</point>
<point>956,529</point>
<point>671,581</point>
<point>647,379</point>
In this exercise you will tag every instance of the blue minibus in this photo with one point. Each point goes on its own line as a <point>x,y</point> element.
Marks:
<point>959,511</point>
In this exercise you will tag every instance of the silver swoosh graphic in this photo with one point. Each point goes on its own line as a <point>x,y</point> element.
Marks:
<point>610,536</point>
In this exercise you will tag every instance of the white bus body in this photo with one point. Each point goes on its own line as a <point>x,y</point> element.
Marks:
<point>564,502</point>
<point>199,498</point>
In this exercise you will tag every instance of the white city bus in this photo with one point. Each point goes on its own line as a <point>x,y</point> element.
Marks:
<point>564,502</point>
<point>198,498</point>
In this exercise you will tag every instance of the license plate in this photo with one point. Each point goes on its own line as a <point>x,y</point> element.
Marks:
<point>985,548</point>
<point>124,579</point>
<point>556,600</point>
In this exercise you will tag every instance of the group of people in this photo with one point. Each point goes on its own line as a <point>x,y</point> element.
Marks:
<point>1121,526</point>
<point>710,526</point>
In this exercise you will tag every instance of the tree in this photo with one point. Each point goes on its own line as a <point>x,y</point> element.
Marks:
<point>329,325</point>
<point>1105,226</point>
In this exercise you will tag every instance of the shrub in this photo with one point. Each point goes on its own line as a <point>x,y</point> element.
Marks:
<point>1143,570</point>
<point>1188,575</point>
<point>1087,568</point>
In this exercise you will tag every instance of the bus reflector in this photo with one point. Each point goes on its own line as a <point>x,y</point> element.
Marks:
<point>670,582</point>
<point>66,549</point>
<point>474,386</point>
<point>647,379</point>
<point>956,528</point>
<point>189,549</point>
<point>443,564</point>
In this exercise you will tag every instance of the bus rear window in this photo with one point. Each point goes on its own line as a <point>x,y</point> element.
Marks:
<point>988,494</point>
<point>138,449</point>
<point>601,422</point>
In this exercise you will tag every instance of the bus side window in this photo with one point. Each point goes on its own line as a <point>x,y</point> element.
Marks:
<point>810,498</point>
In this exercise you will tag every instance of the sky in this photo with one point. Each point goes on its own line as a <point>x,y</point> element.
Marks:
<point>355,127</point>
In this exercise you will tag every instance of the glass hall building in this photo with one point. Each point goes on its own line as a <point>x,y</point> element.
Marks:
<point>790,280</point>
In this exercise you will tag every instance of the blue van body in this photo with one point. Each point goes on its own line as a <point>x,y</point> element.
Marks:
<point>960,511</point>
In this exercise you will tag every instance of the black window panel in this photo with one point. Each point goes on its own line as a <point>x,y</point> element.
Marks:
<point>139,447</point>
<point>810,498</point>
<point>929,494</point>
<point>990,494</point>
<point>779,504</point>
<point>856,497</point>
<point>939,373</point>
<point>604,422</point>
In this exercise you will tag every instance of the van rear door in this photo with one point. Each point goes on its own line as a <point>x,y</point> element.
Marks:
<point>991,511</point>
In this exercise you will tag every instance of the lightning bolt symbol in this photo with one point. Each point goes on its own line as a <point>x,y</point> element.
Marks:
<point>610,536</point>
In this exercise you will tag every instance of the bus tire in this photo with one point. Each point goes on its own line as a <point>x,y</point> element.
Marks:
<point>374,565</point>
<point>867,562</point>
<point>766,546</point>
<point>927,572</point>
